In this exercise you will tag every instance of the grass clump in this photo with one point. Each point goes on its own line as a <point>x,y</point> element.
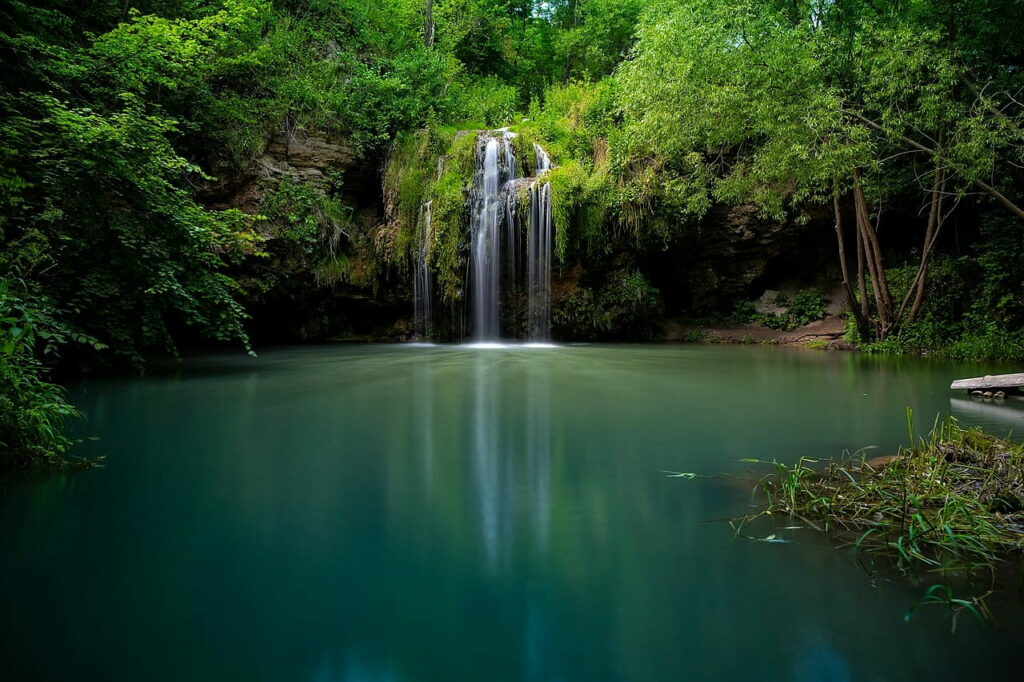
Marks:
<point>954,501</point>
<point>952,504</point>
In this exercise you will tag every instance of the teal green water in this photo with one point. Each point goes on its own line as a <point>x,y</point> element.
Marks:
<point>393,514</point>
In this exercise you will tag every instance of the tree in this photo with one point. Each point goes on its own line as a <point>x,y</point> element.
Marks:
<point>789,105</point>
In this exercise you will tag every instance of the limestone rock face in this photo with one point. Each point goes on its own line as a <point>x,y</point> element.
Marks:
<point>285,288</point>
<point>302,156</point>
<point>768,303</point>
<point>736,250</point>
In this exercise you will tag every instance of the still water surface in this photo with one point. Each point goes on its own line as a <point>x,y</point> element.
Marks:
<point>393,514</point>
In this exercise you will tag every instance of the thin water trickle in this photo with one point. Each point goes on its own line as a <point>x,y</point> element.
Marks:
<point>538,259</point>
<point>423,282</point>
<point>543,160</point>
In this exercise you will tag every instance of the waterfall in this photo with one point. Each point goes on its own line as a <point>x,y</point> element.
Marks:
<point>543,160</point>
<point>485,244</point>
<point>510,158</point>
<point>486,221</point>
<point>511,208</point>
<point>423,282</point>
<point>538,256</point>
<point>494,254</point>
<point>538,263</point>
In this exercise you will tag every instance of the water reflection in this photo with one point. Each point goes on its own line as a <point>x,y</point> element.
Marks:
<point>354,669</point>
<point>486,454</point>
<point>1000,417</point>
<point>819,661</point>
<point>510,423</point>
<point>538,451</point>
<point>423,409</point>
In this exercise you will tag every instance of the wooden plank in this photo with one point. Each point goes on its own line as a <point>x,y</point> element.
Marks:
<point>991,381</point>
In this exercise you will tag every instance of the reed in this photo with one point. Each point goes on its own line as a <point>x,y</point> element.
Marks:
<point>951,504</point>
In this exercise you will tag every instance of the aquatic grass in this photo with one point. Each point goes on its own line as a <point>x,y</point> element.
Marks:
<point>951,504</point>
<point>942,595</point>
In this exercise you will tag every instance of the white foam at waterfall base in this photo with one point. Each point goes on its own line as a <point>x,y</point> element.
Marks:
<point>497,345</point>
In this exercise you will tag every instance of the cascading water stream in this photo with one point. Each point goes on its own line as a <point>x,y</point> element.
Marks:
<point>509,200</point>
<point>510,157</point>
<point>543,160</point>
<point>538,253</point>
<point>423,283</point>
<point>489,208</point>
<point>485,245</point>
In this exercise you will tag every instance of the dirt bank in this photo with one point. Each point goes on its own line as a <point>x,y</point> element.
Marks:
<point>826,333</point>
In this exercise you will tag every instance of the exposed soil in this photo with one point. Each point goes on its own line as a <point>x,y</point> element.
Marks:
<point>829,330</point>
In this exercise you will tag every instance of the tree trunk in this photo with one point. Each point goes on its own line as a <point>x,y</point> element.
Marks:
<point>931,235</point>
<point>862,287</point>
<point>428,24</point>
<point>851,298</point>
<point>873,255</point>
<point>879,323</point>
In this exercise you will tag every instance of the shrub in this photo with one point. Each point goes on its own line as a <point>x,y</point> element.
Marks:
<point>489,102</point>
<point>626,306</point>
<point>801,310</point>
<point>33,411</point>
<point>971,308</point>
<point>696,336</point>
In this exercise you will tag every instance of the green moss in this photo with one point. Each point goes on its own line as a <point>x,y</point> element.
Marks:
<point>526,156</point>
<point>405,178</point>
<point>411,179</point>
<point>461,155</point>
<point>566,189</point>
<point>333,271</point>
<point>449,246</point>
<point>436,165</point>
<point>580,200</point>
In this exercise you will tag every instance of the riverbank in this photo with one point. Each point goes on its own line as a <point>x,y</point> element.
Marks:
<point>826,333</point>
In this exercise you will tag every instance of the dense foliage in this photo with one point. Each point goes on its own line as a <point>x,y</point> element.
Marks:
<point>33,411</point>
<point>855,106</point>
<point>893,123</point>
